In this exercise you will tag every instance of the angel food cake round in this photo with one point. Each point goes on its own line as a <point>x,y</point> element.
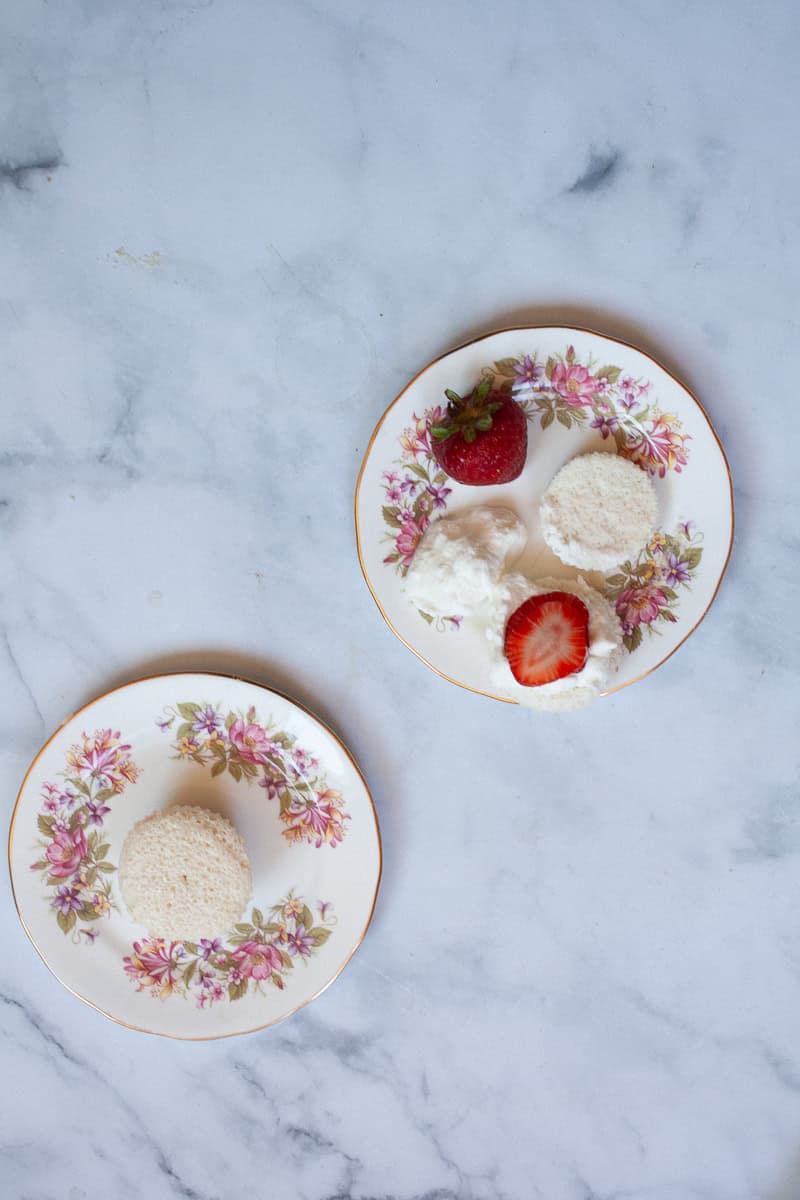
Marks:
<point>185,873</point>
<point>598,510</point>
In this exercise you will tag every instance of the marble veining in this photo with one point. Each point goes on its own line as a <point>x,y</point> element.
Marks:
<point>600,172</point>
<point>229,234</point>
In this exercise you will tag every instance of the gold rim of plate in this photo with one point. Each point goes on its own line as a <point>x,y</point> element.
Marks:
<point>265,688</point>
<point>530,328</point>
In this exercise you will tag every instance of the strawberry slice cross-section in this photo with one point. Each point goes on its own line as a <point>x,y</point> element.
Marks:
<point>547,638</point>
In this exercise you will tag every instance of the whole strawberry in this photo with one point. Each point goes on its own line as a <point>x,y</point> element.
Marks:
<point>482,438</point>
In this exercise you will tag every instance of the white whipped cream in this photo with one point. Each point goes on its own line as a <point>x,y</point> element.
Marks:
<point>460,568</point>
<point>602,660</point>
<point>460,558</point>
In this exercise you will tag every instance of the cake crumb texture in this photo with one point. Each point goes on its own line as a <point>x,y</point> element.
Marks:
<point>185,873</point>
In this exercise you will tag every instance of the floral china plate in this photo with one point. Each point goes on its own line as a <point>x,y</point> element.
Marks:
<point>581,392</point>
<point>291,789</point>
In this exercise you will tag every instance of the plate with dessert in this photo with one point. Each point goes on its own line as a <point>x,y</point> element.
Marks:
<point>544,515</point>
<point>195,855</point>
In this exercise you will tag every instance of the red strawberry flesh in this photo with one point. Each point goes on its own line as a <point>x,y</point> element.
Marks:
<point>547,638</point>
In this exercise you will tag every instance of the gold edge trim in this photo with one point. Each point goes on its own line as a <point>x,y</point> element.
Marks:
<point>526,329</point>
<point>214,1037</point>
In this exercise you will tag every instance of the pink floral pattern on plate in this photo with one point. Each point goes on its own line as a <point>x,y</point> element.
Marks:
<point>237,742</point>
<point>260,953</point>
<point>73,860</point>
<point>413,492</point>
<point>575,394</point>
<point>646,591</point>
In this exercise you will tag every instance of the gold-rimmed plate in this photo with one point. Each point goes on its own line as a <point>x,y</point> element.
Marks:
<point>289,786</point>
<point>581,391</point>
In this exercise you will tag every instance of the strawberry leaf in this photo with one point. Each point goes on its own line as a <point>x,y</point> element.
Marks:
<point>482,390</point>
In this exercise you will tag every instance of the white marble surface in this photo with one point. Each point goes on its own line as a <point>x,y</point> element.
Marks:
<point>229,232</point>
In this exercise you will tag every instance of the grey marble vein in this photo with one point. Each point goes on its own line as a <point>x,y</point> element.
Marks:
<point>19,174</point>
<point>229,235</point>
<point>599,173</point>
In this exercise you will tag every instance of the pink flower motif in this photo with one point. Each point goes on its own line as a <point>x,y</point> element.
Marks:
<point>410,533</point>
<point>153,965</point>
<point>251,741</point>
<point>661,448</point>
<point>302,761</point>
<point>65,852</point>
<point>257,960</point>
<point>104,760</point>
<point>640,605</point>
<point>317,820</point>
<point>575,384</point>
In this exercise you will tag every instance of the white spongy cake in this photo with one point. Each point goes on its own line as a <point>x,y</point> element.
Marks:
<point>598,510</point>
<point>184,873</point>
<point>460,558</point>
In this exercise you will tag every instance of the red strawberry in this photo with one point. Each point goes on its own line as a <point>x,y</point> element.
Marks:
<point>547,638</point>
<point>482,438</point>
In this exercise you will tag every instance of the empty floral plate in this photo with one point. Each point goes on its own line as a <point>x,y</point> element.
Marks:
<point>581,392</point>
<point>288,785</point>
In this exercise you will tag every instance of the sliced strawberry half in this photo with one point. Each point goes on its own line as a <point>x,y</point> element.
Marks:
<point>547,638</point>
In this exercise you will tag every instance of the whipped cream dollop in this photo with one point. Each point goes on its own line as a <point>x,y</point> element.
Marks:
<point>461,568</point>
<point>602,659</point>
<point>459,560</point>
